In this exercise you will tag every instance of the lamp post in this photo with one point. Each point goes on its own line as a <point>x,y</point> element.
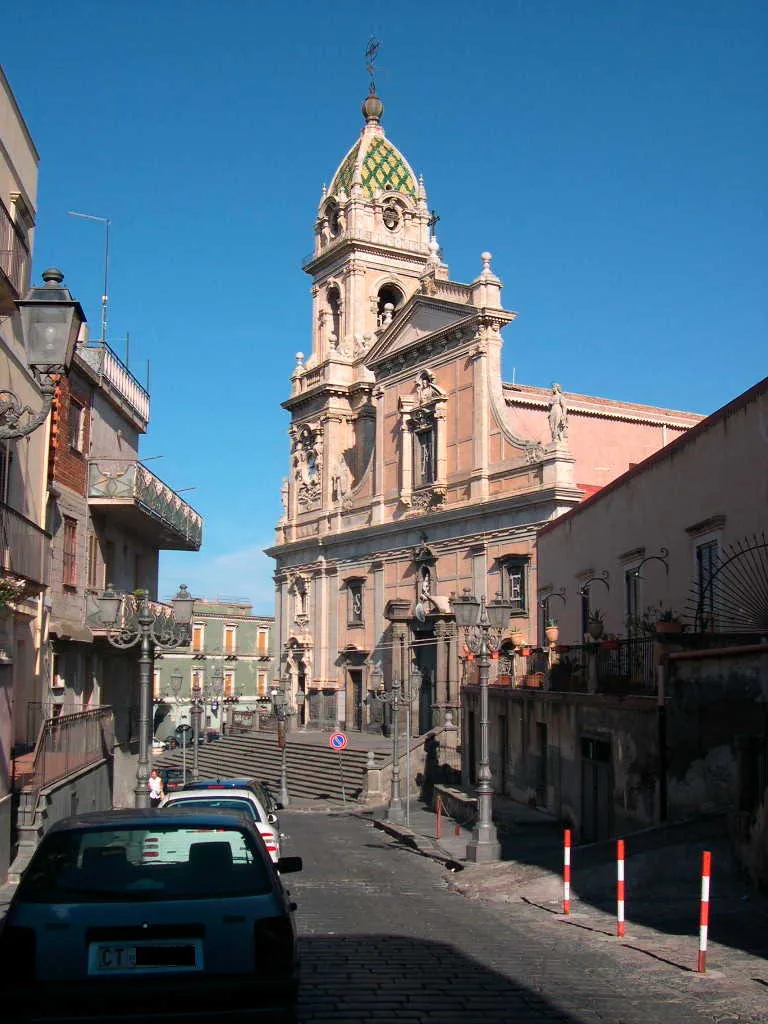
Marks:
<point>280,706</point>
<point>50,322</point>
<point>177,682</point>
<point>207,694</point>
<point>394,697</point>
<point>483,624</point>
<point>130,620</point>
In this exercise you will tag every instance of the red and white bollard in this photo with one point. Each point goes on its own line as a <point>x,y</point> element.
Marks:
<point>706,871</point>
<point>567,871</point>
<point>620,888</point>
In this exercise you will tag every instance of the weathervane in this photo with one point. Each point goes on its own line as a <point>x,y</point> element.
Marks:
<point>370,58</point>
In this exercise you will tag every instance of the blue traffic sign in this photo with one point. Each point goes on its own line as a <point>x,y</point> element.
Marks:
<point>337,741</point>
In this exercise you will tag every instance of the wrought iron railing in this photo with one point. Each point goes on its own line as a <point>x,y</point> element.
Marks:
<point>624,665</point>
<point>67,744</point>
<point>25,548</point>
<point>163,613</point>
<point>115,478</point>
<point>14,251</point>
<point>116,374</point>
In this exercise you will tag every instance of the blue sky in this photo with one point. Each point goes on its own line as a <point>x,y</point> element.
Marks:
<point>610,153</point>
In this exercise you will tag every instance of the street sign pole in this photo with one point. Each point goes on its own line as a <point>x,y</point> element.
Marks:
<point>338,741</point>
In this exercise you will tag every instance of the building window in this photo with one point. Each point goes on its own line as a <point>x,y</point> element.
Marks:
<point>198,680</point>
<point>355,602</point>
<point>76,424</point>
<point>262,642</point>
<point>514,584</point>
<point>706,566</point>
<point>93,561</point>
<point>229,683</point>
<point>424,455</point>
<point>230,635</point>
<point>198,637</point>
<point>69,568</point>
<point>261,684</point>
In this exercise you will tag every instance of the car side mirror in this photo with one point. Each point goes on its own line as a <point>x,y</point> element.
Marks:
<point>272,819</point>
<point>278,805</point>
<point>287,865</point>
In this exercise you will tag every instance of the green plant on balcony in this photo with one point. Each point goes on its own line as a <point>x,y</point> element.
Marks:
<point>10,590</point>
<point>595,623</point>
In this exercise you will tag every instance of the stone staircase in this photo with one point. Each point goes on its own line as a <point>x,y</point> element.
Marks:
<point>312,768</point>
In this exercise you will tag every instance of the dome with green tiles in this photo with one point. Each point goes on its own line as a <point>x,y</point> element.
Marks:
<point>380,166</point>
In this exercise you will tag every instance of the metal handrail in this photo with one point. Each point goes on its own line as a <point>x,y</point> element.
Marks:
<point>68,743</point>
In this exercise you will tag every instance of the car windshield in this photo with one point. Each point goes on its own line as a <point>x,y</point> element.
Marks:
<point>149,864</point>
<point>217,803</point>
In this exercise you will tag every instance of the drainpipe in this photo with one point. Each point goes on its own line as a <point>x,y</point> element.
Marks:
<point>661,708</point>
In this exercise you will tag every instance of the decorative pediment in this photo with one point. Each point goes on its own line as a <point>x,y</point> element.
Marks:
<point>421,317</point>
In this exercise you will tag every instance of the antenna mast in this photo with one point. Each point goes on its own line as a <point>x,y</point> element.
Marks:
<point>105,296</point>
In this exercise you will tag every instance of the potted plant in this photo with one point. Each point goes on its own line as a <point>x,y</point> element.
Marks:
<point>551,631</point>
<point>595,625</point>
<point>668,621</point>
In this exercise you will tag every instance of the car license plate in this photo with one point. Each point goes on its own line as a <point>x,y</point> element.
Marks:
<point>158,957</point>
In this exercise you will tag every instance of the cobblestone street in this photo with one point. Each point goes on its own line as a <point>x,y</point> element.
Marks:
<point>384,938</point>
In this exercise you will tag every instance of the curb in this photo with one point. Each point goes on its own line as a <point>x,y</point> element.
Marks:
<point>420,844</point>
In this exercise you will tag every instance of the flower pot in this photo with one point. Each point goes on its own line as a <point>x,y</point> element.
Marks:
<point>552,633</point>
<point>525,652</point>
<point>669,626</point>
<point>595,629</point>
<point>610,645</point>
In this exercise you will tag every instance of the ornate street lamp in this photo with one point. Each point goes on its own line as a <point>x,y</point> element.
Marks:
<point>280,707</point>
<point>177,683</point>
<point>395,696</point>
<point>130,620</point>
<point>50,322</point>
<point>483,625</point>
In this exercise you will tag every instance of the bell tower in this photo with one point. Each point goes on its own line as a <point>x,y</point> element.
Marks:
<point>371,246</point>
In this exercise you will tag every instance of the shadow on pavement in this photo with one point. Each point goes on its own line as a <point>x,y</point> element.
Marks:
<point>390,978</point>
<point>662,872</point>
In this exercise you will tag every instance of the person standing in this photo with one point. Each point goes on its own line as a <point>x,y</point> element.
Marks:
<point>155,787</point>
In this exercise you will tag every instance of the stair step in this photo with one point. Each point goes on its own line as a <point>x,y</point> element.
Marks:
<point>312,770</point>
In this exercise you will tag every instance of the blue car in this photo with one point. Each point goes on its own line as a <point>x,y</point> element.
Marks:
<point>137,910</point>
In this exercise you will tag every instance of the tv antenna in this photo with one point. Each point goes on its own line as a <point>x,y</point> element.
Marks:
<point>371,51</point>
<point>105,297</point>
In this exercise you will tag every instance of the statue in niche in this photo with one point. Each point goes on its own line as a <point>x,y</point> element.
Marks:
<point>341,479</point>
<point>427,388</point>
<point>558,415</point>
<point>425,593</point>
<point>284,491</point>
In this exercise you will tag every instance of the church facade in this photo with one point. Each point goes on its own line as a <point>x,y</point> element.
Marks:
<point>414,470</point>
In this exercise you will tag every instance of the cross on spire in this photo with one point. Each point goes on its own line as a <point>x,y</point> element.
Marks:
<point>370,59</point>
<point>432,222</point>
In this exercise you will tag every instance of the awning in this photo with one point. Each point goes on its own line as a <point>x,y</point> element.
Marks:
<point>70,631</point>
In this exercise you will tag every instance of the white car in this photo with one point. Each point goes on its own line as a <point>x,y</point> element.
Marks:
<point>231,800</point>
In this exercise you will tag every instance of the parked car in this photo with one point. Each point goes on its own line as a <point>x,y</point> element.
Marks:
<point>217,797</point>
<point>260,789</point>
<point>141,911</point>
<point>173,779</point>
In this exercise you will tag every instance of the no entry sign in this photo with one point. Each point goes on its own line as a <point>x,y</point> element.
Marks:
<point>337,741</point>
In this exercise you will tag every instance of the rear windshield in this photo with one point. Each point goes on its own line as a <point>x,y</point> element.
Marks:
<point>217,803</point>
<point>144,865</point>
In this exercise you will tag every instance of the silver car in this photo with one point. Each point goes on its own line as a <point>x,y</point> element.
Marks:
<point>128,912</point>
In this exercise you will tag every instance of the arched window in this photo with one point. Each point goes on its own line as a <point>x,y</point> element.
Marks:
<point>332,216</point>
<point>334,306</point>
<point>390,299</point>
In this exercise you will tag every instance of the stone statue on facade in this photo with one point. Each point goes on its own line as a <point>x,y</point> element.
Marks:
<point>558,415</point>
<point>284,492</point>
<point>341,479</point>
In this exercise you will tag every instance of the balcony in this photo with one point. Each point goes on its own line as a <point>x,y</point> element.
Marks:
<point>117,380</point>
<point>25,548</point>
<point>142,504</point>
<point>14,262</point>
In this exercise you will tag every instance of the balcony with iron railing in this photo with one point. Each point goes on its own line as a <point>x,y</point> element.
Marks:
<point>116,379</point>
<point>25,549</point>
<point>140,502</point>
<point>14,262</point>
